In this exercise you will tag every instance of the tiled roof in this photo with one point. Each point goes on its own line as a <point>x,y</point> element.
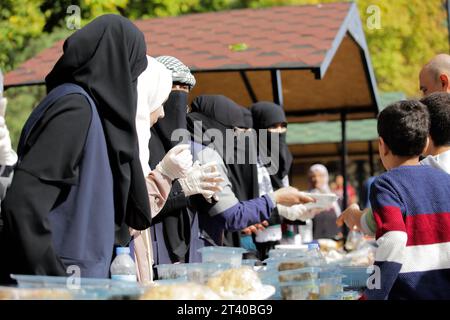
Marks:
<point>279,37</point>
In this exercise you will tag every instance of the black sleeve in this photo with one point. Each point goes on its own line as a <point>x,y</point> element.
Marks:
<point>36,187</point>
<point>175,202</point>
<point>54,147</point>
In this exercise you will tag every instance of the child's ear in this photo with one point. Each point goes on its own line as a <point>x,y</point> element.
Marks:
<point>426,150</point>
<point>384,149</point>
<point>444,81</point>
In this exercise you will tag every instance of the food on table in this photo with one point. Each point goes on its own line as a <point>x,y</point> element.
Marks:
<point>236,283</point>
<point>299,290</point>
<point>9,293</point>
<point>180,291</point>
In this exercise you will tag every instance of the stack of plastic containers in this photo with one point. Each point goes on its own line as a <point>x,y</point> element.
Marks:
<point>302,274</point>
<point>214,260</point>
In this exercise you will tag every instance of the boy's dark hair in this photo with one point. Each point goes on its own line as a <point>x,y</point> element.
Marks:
<point>404,127</point>
<point>438,105</point>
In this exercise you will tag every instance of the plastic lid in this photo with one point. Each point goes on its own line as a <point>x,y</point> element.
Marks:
<point>222,250</point>
<point>122,250</point>
<point>301,270</point>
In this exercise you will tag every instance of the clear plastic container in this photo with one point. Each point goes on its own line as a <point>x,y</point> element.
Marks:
<point>172,271</point>
<point>323,200</point>
<point>270,277</point>
<point>231,255</point>
<point>299,290</point>
<point>355,277</point>
<point>295,247</point>
<point>123,267</point>
<point>85,289</point>
<point>299,274</point>
<point>249,262</point>
<point>327,271</point>
<point>201,272</point>
<point>290,263</point>
<point>314,252</point>
<point>330,285</point>
<point>32,281</point>
<point>355,238</point>
<point>284,253</point>
<point>11,293</point>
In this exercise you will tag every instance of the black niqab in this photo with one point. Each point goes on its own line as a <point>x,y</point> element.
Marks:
<point>105,58</point>
<point>175,109</point>
<point>220,113</point>
<point>265,115</point>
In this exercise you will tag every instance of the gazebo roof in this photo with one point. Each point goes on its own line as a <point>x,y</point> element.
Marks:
<point>318,51</point>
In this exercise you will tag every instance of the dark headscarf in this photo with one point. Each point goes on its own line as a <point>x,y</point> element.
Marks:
<point>220,113</point>
<point>175,110</point>
<point>105,58</point>
<point>265,115</point>
<point>248,118</point>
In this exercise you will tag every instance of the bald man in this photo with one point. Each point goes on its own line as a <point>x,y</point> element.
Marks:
<point>435,75</point>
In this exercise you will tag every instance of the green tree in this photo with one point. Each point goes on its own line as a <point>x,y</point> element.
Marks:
<point>20,20</point>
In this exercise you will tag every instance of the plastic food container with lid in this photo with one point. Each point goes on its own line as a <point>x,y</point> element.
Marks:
<point>299,274</point>
<point>231,255</point>
<point>172,271</point>
<point>201,272</point>
<point>290,263</point>
<point>355,277</point>
<point>330,285</point>
<point>299,290</point>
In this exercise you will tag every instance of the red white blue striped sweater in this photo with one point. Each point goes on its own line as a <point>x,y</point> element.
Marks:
<point>411,206</point>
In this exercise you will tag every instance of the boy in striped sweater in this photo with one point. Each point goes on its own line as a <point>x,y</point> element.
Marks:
<point>411,206</point>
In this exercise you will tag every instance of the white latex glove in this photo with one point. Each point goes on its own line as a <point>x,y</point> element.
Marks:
<point>176,162</point>
<point>7,155</point>
<point>296,212</point>
<point>203,180</point>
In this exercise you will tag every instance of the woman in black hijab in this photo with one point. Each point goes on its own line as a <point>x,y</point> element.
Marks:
<point>239,204</point>
<point>105,58</point>
<point>220,113</point>
<point>79,169</point>
<point>269,115</point>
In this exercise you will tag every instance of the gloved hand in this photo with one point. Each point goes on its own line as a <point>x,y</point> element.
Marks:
<point>203,180</point>
<point>296,212</point>
<point>176,162</point>
<point>7,155</point>
<point>289,196</point>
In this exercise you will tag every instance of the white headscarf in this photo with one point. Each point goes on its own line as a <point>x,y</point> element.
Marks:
<point>153,88</point>
<point>325,188</point>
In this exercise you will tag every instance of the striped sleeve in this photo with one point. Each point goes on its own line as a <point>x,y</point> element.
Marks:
<point>391,239</point>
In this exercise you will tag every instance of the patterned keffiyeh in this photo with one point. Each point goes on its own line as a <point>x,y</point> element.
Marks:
<point>180,72</point>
